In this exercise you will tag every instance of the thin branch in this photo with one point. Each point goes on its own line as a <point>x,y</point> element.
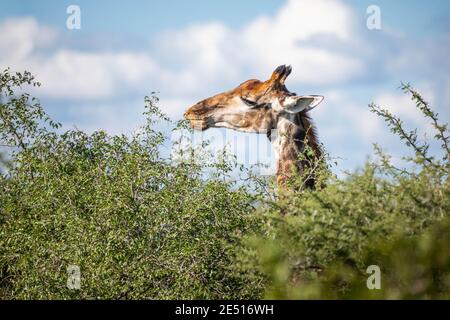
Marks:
<point>424,107</point>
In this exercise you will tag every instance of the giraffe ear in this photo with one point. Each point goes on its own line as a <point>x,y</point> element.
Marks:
<point>295,104</point>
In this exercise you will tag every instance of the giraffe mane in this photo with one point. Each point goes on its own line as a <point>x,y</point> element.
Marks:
<point>311,133</point>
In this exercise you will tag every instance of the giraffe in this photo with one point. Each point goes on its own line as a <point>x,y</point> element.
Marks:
<point>265,107</point>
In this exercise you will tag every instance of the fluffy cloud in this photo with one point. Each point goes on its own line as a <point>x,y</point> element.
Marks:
<point>298,33</point>
<point>80,75</point>
<point>21,37</point>
<point>208,55</point>
<point>314,36</point>
<point>402,106</point>
<point>70,74</point>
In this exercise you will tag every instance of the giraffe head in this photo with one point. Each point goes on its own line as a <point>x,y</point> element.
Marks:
<point>251,107</point>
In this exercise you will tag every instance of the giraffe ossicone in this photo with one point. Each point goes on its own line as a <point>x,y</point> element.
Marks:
<point>266,107</point>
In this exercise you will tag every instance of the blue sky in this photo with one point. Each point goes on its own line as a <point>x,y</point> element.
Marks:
<point>96,77</point>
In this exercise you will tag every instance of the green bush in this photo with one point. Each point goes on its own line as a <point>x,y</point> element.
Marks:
<point>137,225</point>
<point>142,226</point>
<point>414,267</point>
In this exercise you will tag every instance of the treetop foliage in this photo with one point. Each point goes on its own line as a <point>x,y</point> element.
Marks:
<point>141,226</point>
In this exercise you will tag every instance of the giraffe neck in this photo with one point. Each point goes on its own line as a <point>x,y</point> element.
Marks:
<point>288,142</point>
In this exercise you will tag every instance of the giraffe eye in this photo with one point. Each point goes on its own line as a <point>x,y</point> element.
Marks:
<point>249,102</point>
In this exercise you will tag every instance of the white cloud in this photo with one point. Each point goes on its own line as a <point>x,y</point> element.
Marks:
<point>401,105</point>
<point>114,117</point>
<point>21,37</point>
<point>68,73</point>
<point>81,75</point>
<point>289,36</point>
<point>341,121</point>
<point>212,50</point>
<point>347,126</point>
<point>208,55</point>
